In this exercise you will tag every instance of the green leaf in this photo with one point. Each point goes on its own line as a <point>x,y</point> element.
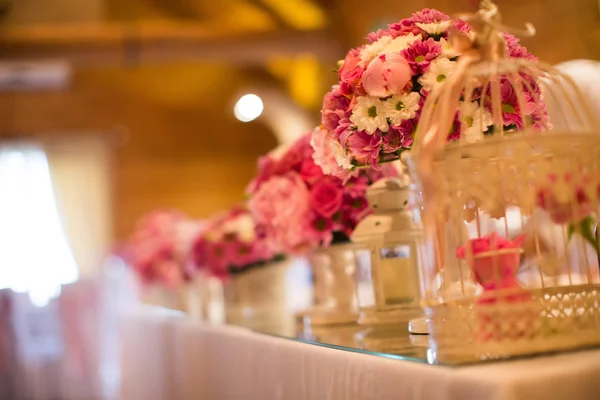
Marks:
<point>570,231</point>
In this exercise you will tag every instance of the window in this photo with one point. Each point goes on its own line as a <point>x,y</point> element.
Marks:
<point>35,256</point>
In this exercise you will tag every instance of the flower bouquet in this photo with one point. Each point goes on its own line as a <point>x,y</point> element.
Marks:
<point>157,252</point>
<point>307,212</point>
<point>231,242</point>
<point>370,116</point>
<point>238,251</point>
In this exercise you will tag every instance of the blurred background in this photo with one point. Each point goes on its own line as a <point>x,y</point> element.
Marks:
<point>112,108</point>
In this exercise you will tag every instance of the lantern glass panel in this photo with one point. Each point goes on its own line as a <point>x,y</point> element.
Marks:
<point>366,291</point>
<point>397,274</point>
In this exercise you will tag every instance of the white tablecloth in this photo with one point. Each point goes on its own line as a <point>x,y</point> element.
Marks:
<point>167,356</point>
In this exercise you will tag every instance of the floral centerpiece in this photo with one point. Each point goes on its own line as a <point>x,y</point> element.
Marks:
<point>370,117</point>
<point>157,250</point>
<point>300,206</point>
<point>231,242</point>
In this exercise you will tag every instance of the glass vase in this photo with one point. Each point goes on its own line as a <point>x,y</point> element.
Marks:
<point>259,298</point>
<point>334,270</point>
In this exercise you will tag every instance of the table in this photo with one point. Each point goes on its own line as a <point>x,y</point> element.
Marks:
<point>169,356</point>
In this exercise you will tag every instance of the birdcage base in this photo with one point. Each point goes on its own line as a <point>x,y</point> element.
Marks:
<point>371,316</point>
<point>550,320</point>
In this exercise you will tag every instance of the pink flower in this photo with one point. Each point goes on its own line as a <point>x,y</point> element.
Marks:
<point>322,143</point>
<point>386,75</point>
<point>516,50</point>
<point>492,257</point>
<point>326,197</point>
<point>266,168</point>
<point>399,136</point>
<point>511,108</point>
<point>351,73</point>
<point>429,15</point>
<point>575,206</point>
<point>310,172</point>
<point>358,186</point>
<point>282,205</point>
<point>365,148</point>
<point>403,27</point>
<point>420,54</point>
<point>157,248</point>
<point>232,240</point>
<point>462,26</point>
<point>343,131</point>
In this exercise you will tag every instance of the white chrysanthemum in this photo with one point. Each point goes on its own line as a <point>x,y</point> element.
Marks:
<point>340,155</point>
<point>401,107</point>
<point>447,50</point>
<point>368,115</point>
<point>439,70</point>
<point>243,226</point>
<point>475,120</point>
<point>386,45</point>
<point>435,28</point>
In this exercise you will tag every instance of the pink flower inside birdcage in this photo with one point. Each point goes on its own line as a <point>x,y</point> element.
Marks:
<point>492,258</point>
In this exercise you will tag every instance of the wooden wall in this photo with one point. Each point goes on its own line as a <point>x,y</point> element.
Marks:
<point>183,147</point>
<point>566,30</point>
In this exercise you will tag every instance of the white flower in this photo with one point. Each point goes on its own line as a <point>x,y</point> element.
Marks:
<point>435,28</point>
<point>243,226</point>
<point>447,50</point>
<point>368,115</point>
<point>439,70</point>
<point>340,155</point>
<point>475,120</point>
<point>385,45</point>
<point>400,107</point>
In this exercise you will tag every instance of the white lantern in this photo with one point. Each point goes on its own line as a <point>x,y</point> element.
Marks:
<point>387,248</point>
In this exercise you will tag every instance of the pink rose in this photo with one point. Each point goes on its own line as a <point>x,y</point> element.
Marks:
<point>326,197</point>
<point>310,172</point>
<point>492,257</point>
<point>386,75</point>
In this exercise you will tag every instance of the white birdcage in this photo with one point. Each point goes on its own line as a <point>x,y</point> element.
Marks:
<point>495,293</point>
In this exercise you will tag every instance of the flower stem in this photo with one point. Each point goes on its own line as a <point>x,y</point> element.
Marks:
<point>585,228</point>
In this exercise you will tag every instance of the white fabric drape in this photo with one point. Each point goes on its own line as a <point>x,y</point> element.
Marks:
<point>81,174</point>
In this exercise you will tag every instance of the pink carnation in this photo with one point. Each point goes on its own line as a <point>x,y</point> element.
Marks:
<point>420,54</point>
<point>365,148</point>
<point>324,156</point>
<point>429,15</point>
